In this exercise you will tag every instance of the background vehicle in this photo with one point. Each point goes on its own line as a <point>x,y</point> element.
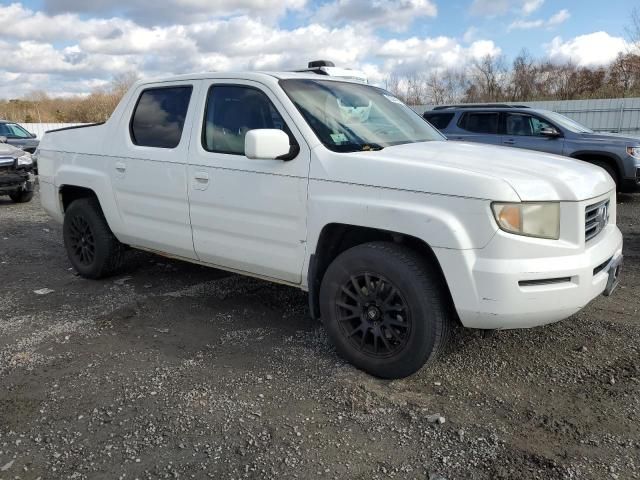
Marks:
<point>18,136</point>
<point>16,173</point>
<point>542,130</point>
<point>338,188</point>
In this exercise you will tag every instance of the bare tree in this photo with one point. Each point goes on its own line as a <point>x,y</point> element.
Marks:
<point>524,73</point>
<point>489,75</point>
<point>121,82</point>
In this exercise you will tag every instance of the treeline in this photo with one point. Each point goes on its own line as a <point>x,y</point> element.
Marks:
<point>38,107</point>
<point>492,79</point>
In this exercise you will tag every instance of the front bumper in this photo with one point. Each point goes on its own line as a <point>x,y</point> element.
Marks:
<point>13,180</point>
<point>493,292</point>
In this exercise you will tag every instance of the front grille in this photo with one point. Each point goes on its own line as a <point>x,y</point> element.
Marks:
<point>596,218</point>
<point>6,161</point>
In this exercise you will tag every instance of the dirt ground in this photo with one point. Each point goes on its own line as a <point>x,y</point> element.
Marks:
<point>171,370</point>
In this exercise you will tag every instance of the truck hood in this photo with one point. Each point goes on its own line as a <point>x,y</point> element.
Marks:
<point>474,170</point>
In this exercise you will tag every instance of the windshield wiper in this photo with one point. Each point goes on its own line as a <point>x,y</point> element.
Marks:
<point>368,147</point>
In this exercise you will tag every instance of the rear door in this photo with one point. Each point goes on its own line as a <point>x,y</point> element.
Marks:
<point>247,215</point>
<point>440,120</point>
<point>148,167</point>
<point>522,130</point>
<point>477,126</point>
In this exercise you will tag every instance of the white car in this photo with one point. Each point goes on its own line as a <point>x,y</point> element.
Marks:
<point>337,188</point>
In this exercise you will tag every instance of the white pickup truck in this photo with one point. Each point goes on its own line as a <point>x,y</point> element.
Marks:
<point>337,188</point>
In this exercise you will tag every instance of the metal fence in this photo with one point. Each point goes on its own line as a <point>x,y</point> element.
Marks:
<point>616,115</point>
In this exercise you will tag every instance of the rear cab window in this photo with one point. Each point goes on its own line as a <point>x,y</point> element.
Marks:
<point>439,120</point>
<point>159,115</point>
<point>480,122</point>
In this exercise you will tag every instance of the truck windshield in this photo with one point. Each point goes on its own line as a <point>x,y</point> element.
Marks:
<point>567,123</point>
<point>351,117</point>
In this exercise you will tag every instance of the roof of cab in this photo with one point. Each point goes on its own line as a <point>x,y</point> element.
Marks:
<point>250,75</point>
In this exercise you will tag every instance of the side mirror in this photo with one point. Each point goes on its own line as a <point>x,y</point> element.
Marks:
<point>32,135</point>
<point>3,139</point>
<point>266,144</point>
<point>549,132</point>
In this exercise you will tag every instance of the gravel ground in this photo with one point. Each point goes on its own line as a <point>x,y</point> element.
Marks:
<point>171,370</point>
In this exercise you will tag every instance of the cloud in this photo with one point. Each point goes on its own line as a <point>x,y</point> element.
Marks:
<point>592,50</point>
<point>490,8</point>
<point>558,18</point>
<point>553,21</point>
<point>531,6</point>
<point>150,12</point>
<point>397,15</point>
<point>66,53</point>
<point>496,8</point>
<point>431,54</point>
<point>470,34</point>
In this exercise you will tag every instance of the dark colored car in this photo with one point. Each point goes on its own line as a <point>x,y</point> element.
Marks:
<point>17,177</point>
<point>542,130</point>
<point>18,136</point>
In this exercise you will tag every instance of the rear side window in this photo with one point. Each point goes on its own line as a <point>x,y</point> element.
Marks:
<point>159,116</point>
<point>479,122</point>
<point>439,120</point>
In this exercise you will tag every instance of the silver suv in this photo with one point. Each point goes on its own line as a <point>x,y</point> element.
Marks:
<point>18,136</point>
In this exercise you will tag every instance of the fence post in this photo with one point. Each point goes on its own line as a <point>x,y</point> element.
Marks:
<point>621,118</point>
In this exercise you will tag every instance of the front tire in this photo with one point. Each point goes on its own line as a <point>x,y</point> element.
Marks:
<point>21,196</point>
<point>385,309</point>
<point>92,248</point>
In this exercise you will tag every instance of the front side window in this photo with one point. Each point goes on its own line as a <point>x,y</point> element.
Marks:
<point>159,116</point>
<point>351,117</point>
<point>479,122</point>
<point>233,110</point>
<point>519,124</point>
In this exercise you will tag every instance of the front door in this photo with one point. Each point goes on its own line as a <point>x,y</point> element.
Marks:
<point>523,131</point>
<point>247,215</point>
<point>148,168</point>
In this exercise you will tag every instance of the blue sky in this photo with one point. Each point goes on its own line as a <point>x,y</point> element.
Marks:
<point>74,46</point>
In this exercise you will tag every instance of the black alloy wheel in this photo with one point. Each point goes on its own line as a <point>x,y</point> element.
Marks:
<point>373,315</point>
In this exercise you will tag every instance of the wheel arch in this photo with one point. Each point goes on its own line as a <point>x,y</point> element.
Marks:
<point>606,157</point>
<point>336,238</point>
<point>70,193</point>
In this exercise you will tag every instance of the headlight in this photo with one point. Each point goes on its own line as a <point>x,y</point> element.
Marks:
<point>634,151</point>
<point>540,220</point>
<point>25,160</point>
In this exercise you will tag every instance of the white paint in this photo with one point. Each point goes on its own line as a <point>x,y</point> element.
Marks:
<point>264,217</point>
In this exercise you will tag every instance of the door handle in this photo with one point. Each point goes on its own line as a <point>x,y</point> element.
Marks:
<point>509,142</point>
<point>200,180</point>
<point>201,176</point>
<point>121,167</point>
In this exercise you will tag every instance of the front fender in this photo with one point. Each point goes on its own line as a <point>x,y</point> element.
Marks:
<point>439,220</point>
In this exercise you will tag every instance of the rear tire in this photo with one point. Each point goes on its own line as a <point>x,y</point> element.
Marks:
<point>92,248</point>
<point>385,308</point>
<point>21,196</point>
